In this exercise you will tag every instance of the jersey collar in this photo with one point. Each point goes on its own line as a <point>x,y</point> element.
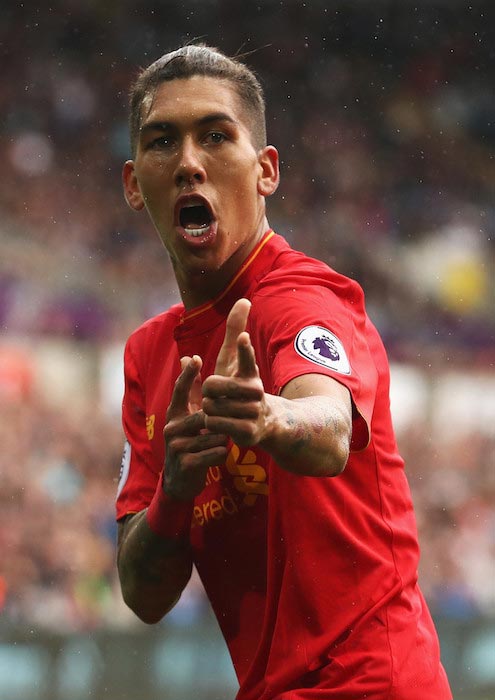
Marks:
<point>213,312</point>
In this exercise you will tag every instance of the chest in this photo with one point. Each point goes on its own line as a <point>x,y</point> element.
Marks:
<point>234,498</point>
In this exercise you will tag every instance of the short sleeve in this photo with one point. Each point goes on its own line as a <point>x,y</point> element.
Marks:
<point>138,478</point>
<point>307,328</point>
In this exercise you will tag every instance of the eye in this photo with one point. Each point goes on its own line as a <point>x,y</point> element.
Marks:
<point>215,137</point>
<point>161,142</point>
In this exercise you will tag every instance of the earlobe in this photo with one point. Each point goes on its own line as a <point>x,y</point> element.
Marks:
<point>269,175</point>
<point>132,193</point>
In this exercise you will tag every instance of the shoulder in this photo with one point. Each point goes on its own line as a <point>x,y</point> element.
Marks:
<point>296,275</point>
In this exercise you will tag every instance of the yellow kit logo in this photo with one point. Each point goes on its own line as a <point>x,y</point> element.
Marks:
<point>150,426</point>
<point>248,479</point>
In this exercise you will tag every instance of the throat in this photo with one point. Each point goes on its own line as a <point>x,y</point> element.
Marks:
<point>200,282</point>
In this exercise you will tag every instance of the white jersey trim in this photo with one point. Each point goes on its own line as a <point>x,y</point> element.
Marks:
<point>125,466</point>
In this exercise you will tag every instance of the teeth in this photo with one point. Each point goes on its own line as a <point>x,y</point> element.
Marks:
<point>195,232</point>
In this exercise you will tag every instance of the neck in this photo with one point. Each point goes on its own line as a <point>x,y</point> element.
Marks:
<point>202,284</point>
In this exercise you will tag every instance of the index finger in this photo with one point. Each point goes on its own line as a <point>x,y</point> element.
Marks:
<point>236,324</point>
<point>246,357</point>
<point>179,403</point>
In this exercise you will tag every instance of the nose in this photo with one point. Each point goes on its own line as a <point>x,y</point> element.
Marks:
<point>190,169</point>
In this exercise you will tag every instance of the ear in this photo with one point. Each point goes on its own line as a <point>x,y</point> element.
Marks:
<point>269,173</point>
<point>132,193</point>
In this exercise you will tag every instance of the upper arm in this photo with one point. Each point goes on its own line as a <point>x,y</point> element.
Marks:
<point>307,385</point>
<point>285,323</point>
<point>327,405</point>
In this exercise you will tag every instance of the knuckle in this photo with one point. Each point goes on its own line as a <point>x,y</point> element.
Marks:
<point>254,410</point>
<point>188,462</point>
<point>246,435</point>
<point>169,430</point>
<point>258,389</point>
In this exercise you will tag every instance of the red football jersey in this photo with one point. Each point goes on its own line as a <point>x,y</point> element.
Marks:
<point>313,579</point>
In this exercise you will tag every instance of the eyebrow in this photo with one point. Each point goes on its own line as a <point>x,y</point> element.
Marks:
<point>207,119</point>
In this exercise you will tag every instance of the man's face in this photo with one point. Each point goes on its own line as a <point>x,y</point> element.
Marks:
<point>200,177</point>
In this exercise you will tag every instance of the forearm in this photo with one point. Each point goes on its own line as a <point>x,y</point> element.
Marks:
<point>153,570</point>
<point>308,436</point>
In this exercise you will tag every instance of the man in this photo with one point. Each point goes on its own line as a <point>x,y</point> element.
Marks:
<point>259,440</point>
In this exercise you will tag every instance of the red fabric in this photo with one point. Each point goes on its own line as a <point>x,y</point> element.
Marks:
<point>322,598</point>
<point>168,518</point>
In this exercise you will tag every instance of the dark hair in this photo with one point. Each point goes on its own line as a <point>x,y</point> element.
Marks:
<point>199,59</point>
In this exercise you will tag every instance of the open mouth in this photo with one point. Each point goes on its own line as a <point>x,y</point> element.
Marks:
<point>195,219</point>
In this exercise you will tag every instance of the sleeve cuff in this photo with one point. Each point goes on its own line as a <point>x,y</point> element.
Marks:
<point>168,518</point>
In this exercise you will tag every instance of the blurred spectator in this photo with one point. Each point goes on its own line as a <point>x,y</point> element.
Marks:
<point>386,118</point>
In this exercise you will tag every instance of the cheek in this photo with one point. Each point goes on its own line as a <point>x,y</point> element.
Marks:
<point>154,173</point>
<point>246,184</point>
<point>154,194</point>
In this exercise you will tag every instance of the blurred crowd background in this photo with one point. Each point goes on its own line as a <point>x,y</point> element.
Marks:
<point>384,115</point>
